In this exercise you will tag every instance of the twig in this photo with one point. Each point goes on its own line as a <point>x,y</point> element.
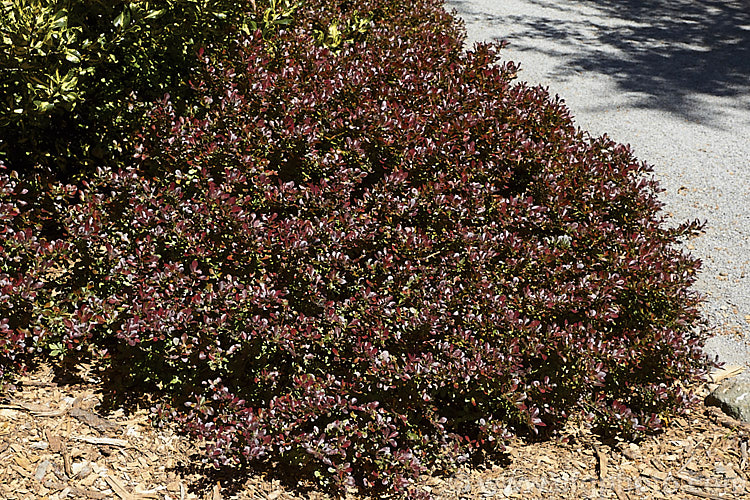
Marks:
<point>725,373</point>
<point>76,492</point>
<point>692,454</point>
<point>102,440</point>
<point>702,494</point>
<point>602,462</point>
<point>118,488</point>
<point>36,410</point>
<point>727,421</point>
<point>92,419</point>
<point>620,494</point>
<point>12,407</point>
<point>67,463</point>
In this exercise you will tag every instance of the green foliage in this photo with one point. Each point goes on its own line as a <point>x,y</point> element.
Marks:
<point>279,13</point>
<point>336,34</point>
<point>33,33</point>
<point>75,76</point>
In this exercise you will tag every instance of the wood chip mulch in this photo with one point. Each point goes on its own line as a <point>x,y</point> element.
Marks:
<point>56,443</point>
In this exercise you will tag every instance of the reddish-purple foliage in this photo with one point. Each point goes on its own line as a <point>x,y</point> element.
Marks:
<point>13,285</point>
<point>370,261</point>
<point>28,262</point>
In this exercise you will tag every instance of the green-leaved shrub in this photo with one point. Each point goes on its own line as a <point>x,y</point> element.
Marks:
<point>76,76</point>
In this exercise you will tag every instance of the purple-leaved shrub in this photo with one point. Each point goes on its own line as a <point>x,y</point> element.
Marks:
<point>370,254</point>
<point>30,266</point>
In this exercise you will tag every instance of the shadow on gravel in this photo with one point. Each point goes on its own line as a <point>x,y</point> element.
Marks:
<point>667,52</point>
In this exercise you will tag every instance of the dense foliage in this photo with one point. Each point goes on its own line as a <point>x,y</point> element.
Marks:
<point>75,75</point>
<point>28,263</point>
<point>368,254</point>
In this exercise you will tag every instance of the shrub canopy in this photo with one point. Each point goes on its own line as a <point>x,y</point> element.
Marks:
<point>370,254</point>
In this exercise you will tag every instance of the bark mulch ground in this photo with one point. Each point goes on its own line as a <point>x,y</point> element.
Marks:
<point>57,442</point>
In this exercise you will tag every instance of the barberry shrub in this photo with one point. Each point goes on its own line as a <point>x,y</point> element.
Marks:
<point>372,255</point>
<point>31,266</point>
<point>14,289</point>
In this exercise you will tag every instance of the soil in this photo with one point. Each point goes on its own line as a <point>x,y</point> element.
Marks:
<point>57,441</point>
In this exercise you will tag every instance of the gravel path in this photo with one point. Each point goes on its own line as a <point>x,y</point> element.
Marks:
<point>672,79</point>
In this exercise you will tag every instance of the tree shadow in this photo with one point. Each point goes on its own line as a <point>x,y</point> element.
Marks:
<point>680,57</point>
